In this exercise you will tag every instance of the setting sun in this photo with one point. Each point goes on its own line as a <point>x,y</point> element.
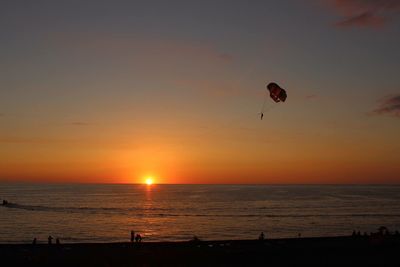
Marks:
<point>149,180</point>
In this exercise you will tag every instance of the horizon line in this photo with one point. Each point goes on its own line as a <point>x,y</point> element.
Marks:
<point>242,184</point>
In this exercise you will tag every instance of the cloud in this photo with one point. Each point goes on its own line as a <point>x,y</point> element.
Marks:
<point>365,13</point>
<point>389,106</point>
<point>363,20</point>
<point>312,96</point>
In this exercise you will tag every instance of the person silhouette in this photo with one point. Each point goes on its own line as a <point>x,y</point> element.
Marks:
<point>261,237</point>
<point>50,240</point>
<point>58,241</point>
<point>138,238</point>
<point>34,241</point>
<point>132,236</point>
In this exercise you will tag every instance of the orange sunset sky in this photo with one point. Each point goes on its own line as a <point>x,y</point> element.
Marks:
<point>114,92</point>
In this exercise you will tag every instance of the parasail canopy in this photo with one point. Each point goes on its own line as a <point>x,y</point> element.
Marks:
<point>277,93</point>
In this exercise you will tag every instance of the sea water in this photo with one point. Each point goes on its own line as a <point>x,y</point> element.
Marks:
<point>108,212</point>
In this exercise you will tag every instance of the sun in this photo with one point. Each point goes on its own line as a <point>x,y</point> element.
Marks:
<point>149,180</point>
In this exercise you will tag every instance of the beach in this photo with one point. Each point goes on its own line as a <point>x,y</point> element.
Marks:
<point>302,225</point>
<point>379,250</point>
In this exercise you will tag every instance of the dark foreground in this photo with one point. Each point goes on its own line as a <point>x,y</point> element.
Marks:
<point>330,251</point>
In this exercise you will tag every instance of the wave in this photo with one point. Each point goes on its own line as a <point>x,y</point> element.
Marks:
<point>70,209</point>
<point>160,212</point>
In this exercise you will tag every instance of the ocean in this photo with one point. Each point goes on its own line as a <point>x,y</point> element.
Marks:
<point>108,212</point>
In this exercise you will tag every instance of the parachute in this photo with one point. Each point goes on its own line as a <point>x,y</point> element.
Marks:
<point>276,92</point>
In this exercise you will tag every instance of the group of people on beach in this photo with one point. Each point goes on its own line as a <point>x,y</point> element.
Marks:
<point>135,238</point>
<point>49,240</point>
<point>382,231</point>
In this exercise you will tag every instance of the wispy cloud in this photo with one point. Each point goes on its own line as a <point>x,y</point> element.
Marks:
<point>363,20</point>
<point>389,106</point>
<point>312,96</point>
<point>365,13</point>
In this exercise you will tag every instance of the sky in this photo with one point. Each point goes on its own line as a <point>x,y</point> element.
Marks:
<point>117,91</point>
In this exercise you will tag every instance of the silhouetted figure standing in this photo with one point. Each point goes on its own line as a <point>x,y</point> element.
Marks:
<point>262,236</point>
<point>34,241</point>
<point>132,236</point>
<point>58,241</point>
<point>138,238</point>
<point>382,230</point>
<point>50,240</point>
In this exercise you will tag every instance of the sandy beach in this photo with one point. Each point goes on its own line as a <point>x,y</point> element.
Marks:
<point>327,251</point>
